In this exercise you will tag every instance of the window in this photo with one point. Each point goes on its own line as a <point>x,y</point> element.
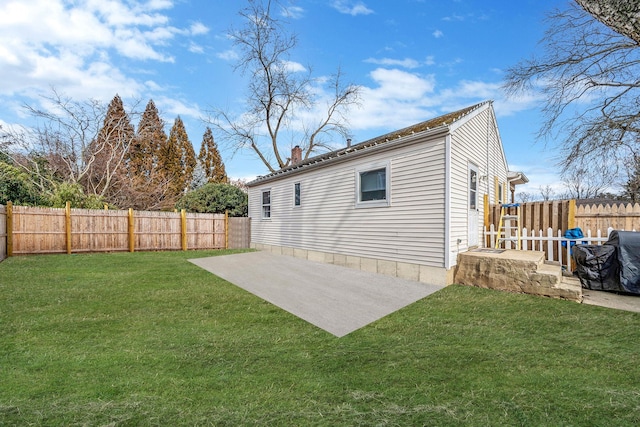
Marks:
<point>473,188</point>
<point>296,194</point>
<point>373,186</point>
<point>266,204</point>
<point>500,193</point>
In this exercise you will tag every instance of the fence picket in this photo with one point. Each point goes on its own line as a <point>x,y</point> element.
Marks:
<point>551,243</point>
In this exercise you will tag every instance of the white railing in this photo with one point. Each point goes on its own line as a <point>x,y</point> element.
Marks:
<point>551,243</point>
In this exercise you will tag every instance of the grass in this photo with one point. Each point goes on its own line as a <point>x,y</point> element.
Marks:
<point>150,339</point>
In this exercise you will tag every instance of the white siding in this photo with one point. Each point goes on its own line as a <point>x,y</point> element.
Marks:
<point>476,141</point>
<point>410,230</point>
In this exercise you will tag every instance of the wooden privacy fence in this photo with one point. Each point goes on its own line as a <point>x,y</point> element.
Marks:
<point>566,214</point>
<point>36,230</point>
<point>600,217</point>
<point>538,215</point>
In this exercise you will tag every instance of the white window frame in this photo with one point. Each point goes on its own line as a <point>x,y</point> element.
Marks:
<point>369,168</point>
<point>297,188</point>
<point>264,205</point>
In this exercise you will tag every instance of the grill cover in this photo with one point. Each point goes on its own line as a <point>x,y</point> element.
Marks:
<point>627,244</point>
<point>597,267</point>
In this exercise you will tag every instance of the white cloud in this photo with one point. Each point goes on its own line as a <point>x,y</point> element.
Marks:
<point>351,8</point>
<point>473,89</point>
<point>81,47</point>
<point>294,67</point>
<point>292,12</point>
<point>454,17</point>
<point>198,28</point>
<point>437,34</point>
<point>397,99</point>
<point>228,55</point>
<point>171,108</point>
<point>401,98</point>
<point>401,85</point>
<point>405,63</point>
<point>195,48</point>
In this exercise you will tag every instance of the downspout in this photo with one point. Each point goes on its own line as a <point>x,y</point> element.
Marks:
<point>487,198</point>
<point>447,202</point>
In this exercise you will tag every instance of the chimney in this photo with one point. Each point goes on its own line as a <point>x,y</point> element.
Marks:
<point>348,142</point>
<point>296,155</point>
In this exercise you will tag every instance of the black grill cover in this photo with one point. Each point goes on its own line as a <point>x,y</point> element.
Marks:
<point>627,244</point>
<point>597,267</point>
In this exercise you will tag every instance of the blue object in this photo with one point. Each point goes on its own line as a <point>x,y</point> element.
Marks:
<point>573,234</point>
<point>510,205</point>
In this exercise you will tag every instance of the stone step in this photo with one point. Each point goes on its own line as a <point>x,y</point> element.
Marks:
<point>516,271</point>
<point>552,270</point>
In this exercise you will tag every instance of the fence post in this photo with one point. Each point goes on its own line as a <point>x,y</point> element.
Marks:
<point>486,210</point>
<point>183,229</point>
<point>226,229</point>
<point>67,226</point>
<point>572,214</point>
<point>132,242</point>
<point>9,229</point>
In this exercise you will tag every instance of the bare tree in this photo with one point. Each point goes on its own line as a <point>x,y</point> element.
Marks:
<point>547,192</point>
<point>279,93</point>
<point>73,142</point>
<point>621,15</point>
<point>587,183</point>
<point>588,78</point>
<point>631,188</point>
<point>524,197</point>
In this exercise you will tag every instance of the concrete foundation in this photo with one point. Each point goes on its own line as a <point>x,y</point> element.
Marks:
<point>515,271</point>
<point>402,270</point>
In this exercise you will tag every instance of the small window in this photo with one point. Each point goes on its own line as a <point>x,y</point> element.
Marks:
<point>500,193</point>
<point>372,187</point>
<point>473,189</point>
<point>266,204</point>
<point>296,194</point>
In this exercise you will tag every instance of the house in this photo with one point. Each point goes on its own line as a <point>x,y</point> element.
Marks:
<point>404,204</point>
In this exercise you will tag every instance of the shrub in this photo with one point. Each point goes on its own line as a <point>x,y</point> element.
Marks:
<point>215,198</point>
<point>72,193</point>
<point>16,187</point>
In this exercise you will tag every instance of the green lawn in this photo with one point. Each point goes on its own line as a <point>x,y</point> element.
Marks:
<point>150,339</point>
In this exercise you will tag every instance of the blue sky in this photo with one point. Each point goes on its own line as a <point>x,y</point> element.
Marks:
<point>414,60</point>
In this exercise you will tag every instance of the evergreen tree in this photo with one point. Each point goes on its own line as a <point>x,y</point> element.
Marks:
<point>106,153</point>
<point>210,159</point>
<point>178,160</point>
<point>144,152</point>
<point>148,186</point>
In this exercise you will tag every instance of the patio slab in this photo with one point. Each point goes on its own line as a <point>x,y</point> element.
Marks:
<point>337,299</point>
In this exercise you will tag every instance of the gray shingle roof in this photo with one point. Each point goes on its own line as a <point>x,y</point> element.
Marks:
<point>442,122</point>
